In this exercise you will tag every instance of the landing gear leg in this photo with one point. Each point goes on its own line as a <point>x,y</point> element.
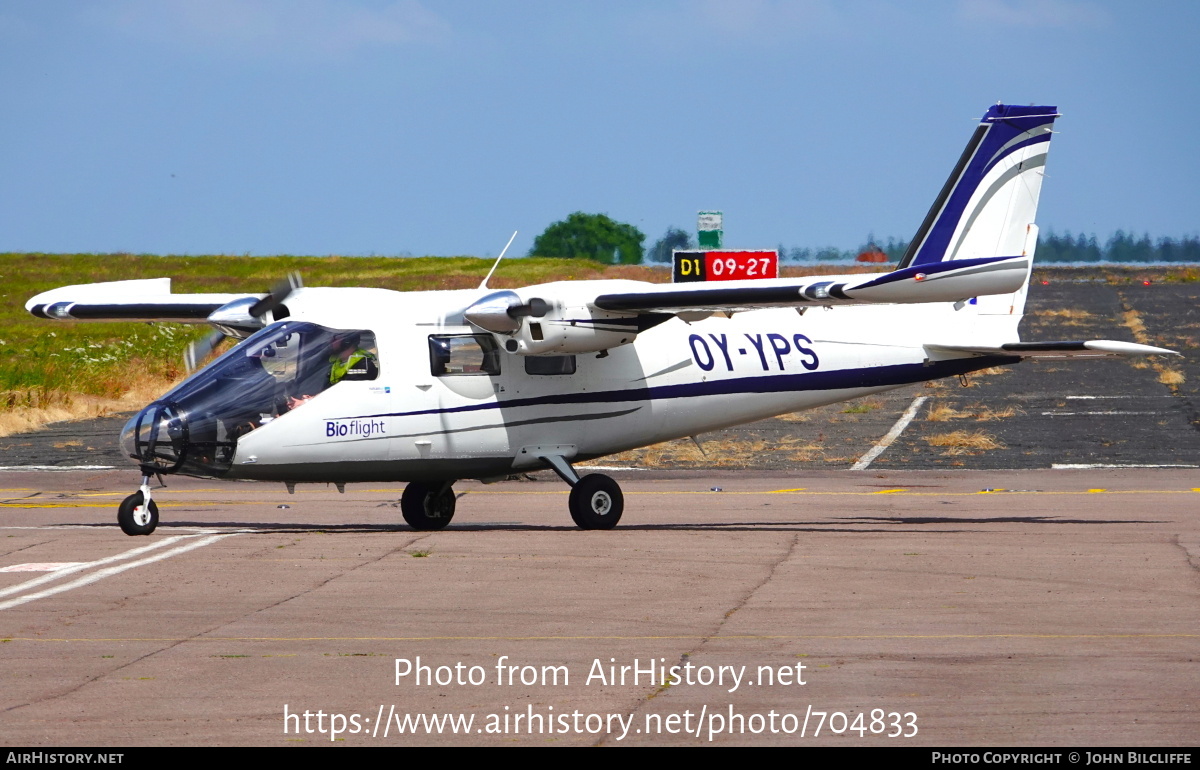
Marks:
<point>138,514</point>
<point>428,506</point>
<point>596,501</point>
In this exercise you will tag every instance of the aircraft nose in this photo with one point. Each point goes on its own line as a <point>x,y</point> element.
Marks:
<point>157,437</point>
<point>128,432</point>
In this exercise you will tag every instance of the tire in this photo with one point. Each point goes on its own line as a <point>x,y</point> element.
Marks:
<point>596,502</point>
<point>427,507</point>
<point>137,519</point>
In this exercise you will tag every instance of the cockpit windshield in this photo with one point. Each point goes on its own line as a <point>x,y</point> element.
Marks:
<point>195,427</point>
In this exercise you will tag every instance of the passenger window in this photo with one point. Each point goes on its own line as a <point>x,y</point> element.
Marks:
<point>549,364</point>
<point>463,354</point>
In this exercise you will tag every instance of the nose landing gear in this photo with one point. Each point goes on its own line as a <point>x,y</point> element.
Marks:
<point>138,514</point>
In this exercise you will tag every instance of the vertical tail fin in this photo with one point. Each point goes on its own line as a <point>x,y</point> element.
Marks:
<point>992,194</point>
<point>988,205</point>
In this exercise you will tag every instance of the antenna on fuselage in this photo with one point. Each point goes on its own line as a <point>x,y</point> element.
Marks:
<point>502,251</point>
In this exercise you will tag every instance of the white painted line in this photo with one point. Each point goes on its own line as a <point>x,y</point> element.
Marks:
<point>94,528</point>
<point>42,566</point>
<point>1087,466</point>
<point>110,571</point>
<point>19,587</point>
<point>1107,413</point>
<point>58,467</point>
<point>608,468</point>
<point>865,461</point>
<point>1089,398</point>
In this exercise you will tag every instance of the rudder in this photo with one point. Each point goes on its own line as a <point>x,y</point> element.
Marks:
<point>988,205</point>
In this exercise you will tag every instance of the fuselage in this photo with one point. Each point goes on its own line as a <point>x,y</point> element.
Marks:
<point>445,403</point>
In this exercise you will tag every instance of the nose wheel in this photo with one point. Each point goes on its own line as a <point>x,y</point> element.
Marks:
<point>137,515</point>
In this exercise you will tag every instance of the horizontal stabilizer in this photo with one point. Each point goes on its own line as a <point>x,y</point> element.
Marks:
<point>1064,349</point>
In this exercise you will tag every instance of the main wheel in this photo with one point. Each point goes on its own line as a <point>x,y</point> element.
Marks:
<point>596,502</point>
<point>427,506</point>
<point>136,518</point>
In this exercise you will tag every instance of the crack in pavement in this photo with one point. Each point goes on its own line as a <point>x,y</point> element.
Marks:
<point>643,702</point>
<point>1191,552</point>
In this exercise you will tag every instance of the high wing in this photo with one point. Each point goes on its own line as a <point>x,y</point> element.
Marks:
<point>939,282</point>
<point>593,316</point>
<point>146,299</point>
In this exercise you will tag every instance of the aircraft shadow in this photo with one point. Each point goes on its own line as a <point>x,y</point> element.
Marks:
<point>846,525</point>
<point>995,520</point>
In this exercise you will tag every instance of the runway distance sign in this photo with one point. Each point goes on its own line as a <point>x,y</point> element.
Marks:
<point>724,265</point>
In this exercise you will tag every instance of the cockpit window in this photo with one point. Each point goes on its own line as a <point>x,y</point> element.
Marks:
<point>463,354</point>
<point>195,427</point>
<point>305,359</point>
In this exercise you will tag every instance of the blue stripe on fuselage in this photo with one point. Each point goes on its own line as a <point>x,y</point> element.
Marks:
<point>875,377</point>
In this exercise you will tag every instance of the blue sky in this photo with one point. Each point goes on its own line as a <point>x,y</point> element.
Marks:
<point>430,127</point>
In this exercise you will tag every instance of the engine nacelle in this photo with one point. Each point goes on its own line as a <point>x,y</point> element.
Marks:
<point>541,328</point>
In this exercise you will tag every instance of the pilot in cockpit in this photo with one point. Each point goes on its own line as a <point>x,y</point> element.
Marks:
<point>350,360</point>
<point>347,360</point>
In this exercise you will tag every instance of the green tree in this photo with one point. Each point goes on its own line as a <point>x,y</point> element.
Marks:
<point>673,239</point>
<point>590,236</point>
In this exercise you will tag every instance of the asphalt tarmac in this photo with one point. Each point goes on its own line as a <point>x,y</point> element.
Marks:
<point>1036,608</point>
<point>1030,594</point>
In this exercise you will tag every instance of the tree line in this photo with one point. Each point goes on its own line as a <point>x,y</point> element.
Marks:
<point>602,239</point>
<point>1120,247</point>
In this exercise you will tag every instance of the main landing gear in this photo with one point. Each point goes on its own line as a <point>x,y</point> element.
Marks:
<point>596,501</point>
<point>428,506</point>
<point>138,514</point>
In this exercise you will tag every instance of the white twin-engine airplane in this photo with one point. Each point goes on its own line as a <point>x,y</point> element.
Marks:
<point>355,384</point>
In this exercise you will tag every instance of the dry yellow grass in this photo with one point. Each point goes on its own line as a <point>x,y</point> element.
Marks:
<point>1133,320</point>
<point>942,412</point>
<point>987,415</point>
<point>1067,316</point>
<point>1170,377</point>
<point>722,453</point>
<point>1066,312</point>
<point>863,406</point>
<point>963,442</point>
<point>26,413</point>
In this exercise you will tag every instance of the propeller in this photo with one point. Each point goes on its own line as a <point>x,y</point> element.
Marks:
<point>200,349</point>
<point>279,292</point>
<point>243,315</point>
